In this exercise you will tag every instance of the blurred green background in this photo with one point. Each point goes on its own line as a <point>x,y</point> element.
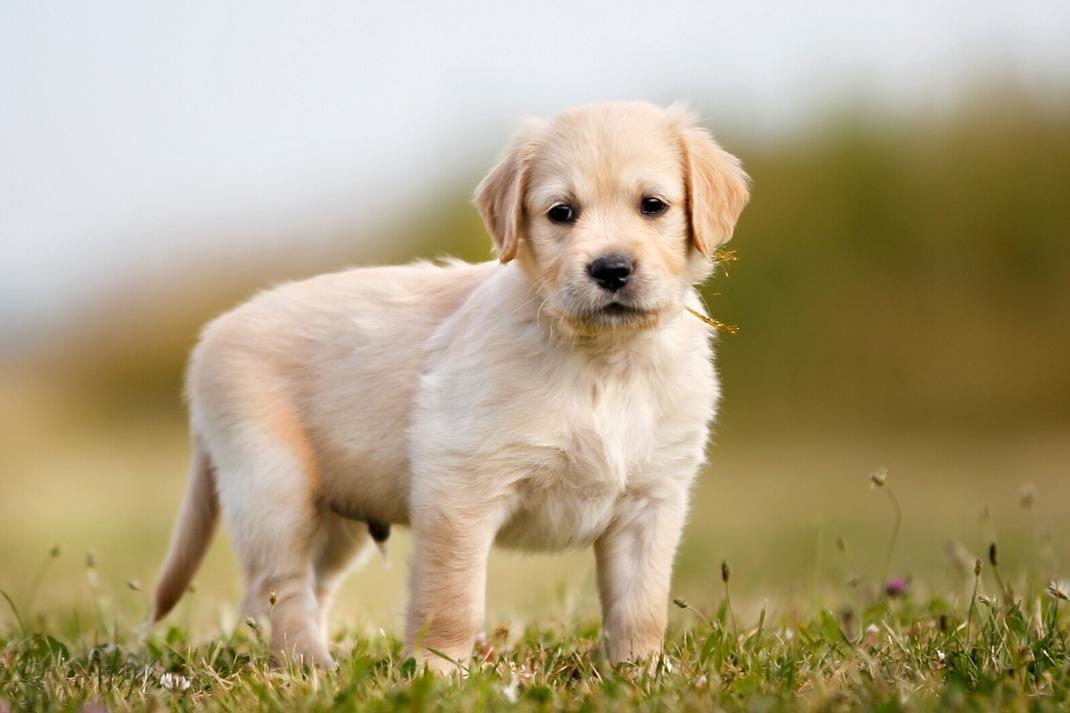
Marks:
<point>903,292</point>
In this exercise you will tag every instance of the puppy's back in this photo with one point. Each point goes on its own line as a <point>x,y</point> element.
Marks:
<point>340,354</point>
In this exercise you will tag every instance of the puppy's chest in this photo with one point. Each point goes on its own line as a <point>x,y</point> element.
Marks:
<point>582,462</point>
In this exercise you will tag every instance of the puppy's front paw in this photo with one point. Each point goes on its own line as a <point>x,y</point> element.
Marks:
<point>442,663</point>
<point>633,644</point>
<point>649,665</point>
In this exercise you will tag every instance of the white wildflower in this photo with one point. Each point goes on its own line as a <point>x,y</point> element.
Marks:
<point>511,692</point>
<point>174,682</point>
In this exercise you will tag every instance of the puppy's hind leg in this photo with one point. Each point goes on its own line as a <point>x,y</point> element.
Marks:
<point>345,544</point>
<point>268,503</point>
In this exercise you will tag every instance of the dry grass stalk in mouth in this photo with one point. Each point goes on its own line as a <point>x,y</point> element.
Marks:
<point>719,326</point>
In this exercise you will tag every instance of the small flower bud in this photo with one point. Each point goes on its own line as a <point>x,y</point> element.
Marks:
<point>993,555</point>
<point>896,587</point>
<point>878,478</point>
<point>726,572</point>
<point>977,568</point>
<point>680,602</point>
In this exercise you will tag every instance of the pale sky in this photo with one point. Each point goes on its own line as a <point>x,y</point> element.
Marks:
<point>135,135</point>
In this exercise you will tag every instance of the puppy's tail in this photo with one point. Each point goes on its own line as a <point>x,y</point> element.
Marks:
<point>192,533</point>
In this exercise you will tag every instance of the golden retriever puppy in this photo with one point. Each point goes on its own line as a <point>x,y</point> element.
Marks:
<point>558,397</point>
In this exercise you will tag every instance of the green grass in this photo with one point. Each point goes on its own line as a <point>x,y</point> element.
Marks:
<point>997,639</point>
<point>1000,653</point>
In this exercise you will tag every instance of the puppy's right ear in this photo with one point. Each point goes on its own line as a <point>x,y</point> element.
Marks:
<point>500,195</point>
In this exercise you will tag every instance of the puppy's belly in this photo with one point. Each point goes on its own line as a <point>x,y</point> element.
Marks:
<point>364,488</point>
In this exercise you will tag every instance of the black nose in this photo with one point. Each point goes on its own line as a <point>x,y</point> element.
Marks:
<point>611,272</point>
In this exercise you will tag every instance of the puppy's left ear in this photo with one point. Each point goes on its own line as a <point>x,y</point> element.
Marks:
<point>717,187</point>
<point>500,195</point>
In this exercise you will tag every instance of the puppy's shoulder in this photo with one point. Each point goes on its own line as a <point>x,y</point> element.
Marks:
<point>499,309</point>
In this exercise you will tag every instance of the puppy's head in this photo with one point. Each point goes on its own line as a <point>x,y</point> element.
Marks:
<point>612,210</point>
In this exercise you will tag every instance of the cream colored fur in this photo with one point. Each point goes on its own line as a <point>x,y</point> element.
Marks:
<point>477,404</point>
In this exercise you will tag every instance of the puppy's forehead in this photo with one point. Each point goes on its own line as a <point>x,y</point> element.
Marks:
<point>608,149</point>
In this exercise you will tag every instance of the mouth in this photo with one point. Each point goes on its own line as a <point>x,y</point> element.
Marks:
<point>610,313</point>
<point>621,315</point>
<point>619,309</point>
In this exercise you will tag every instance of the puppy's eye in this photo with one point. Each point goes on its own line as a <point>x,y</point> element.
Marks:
<point>653,206</point>
<point>561,213</point>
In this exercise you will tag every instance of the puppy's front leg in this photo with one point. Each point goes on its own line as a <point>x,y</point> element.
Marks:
<point>635,557</point>
<point>452,537</point>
